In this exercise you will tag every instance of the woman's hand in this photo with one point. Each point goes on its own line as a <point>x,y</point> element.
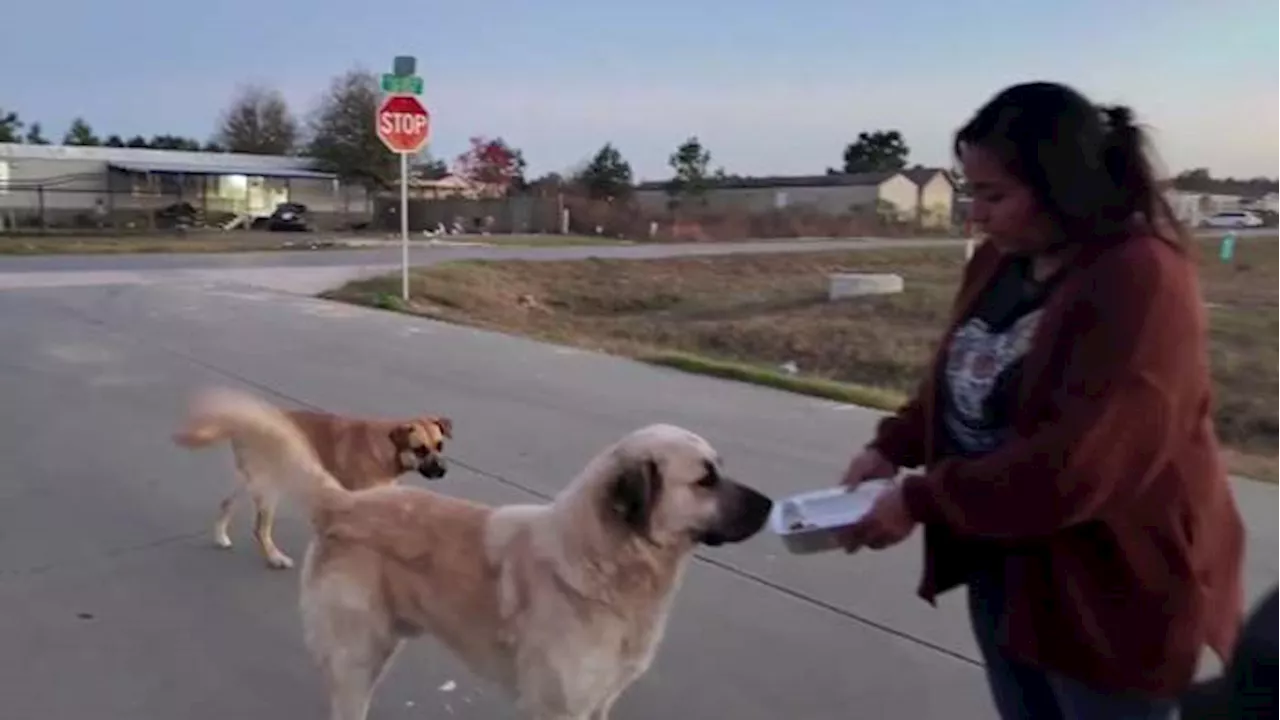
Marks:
<point>888,523</point>
<point>868,465</point>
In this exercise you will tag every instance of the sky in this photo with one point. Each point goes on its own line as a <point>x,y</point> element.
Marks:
<point>770,88</point>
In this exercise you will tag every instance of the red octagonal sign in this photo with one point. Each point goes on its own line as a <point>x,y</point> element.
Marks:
<point>404,125</point>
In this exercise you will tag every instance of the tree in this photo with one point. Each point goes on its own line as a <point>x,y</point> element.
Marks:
<point>493,163</point>
<point>173,142</point>
<point>10,127</point>
<point>691,163</point>
<point>35,135</point>
<point>137,141</point>
<point>213,146</point>
<point>80,134</point>
<point>607,176</point>
<point>114,141</point>
<point>1195,180</point>
<point>344,131</point>
<point>429,168</point>
<point>548,185</point>
<point>259,122</point>
<point>876,151</point>
<point>1200,180</point>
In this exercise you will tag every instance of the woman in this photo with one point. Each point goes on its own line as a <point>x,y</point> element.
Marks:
<point>1071,474</point>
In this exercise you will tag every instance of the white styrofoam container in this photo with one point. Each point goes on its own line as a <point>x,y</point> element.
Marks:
<point>822,514</point>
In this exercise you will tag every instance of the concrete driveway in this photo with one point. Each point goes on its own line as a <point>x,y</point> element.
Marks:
<point>113,602</point>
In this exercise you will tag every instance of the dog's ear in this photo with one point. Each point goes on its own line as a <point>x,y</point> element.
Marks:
<point>634,494</point>
<point>400,436</point>
<point>446,426</point>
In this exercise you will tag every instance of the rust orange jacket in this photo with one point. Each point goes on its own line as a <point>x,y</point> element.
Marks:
<point>1111,509</point>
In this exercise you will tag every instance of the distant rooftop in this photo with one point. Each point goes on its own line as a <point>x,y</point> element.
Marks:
<point>920,175</point>
<point>791,181</point>
<point>139,156</point>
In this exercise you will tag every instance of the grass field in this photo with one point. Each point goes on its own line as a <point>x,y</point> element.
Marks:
<point>744,316</point>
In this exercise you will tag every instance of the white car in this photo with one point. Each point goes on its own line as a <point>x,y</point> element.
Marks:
<point>1233,219</point>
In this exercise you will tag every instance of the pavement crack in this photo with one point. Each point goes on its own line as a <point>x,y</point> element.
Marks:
<point>111,553</point>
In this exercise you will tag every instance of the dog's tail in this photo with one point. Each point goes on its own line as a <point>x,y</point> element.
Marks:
<point>267,434</point>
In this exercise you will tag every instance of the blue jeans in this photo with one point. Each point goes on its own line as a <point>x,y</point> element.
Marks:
<point>1024,692</point>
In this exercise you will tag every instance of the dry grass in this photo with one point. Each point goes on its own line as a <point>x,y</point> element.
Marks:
<point>742,316</point>
<point>532,240</point>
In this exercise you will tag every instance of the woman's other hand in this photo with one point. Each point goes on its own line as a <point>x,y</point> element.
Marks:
<point>888,523</point>
<point>868,465</point>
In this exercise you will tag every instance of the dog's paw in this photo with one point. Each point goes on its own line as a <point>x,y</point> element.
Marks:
<point>279,562</point>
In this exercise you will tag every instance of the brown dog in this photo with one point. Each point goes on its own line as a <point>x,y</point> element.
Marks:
<point>360,453</point>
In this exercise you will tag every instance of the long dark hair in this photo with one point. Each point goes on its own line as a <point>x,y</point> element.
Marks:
<point>1086,165</point>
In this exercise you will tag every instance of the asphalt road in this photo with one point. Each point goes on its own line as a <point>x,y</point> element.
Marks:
<point>114,603</point>
<point>312,272</point>
<point>388,252</point>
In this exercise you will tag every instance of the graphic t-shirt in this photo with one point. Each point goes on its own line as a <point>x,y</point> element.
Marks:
<point>984,360</point>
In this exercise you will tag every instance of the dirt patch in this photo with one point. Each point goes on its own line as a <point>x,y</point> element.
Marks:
<point>771,312</point>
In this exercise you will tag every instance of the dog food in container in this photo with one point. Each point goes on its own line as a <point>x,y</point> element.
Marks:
<point>811,522</point>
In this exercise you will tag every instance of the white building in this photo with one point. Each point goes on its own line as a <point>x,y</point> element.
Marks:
<point>1267,203</point>
<point>57,185</point>
<point>1193,207</point>
<point>886,193</point>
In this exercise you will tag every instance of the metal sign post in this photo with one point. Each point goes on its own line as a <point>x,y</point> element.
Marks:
<point>404,126</point>
<point>404,226</point>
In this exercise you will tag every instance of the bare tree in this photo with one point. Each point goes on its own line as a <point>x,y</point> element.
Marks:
<point>259,122</point>
<point>344,133</point>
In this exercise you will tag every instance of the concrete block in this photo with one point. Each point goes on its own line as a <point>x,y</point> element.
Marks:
<point>843,285</point>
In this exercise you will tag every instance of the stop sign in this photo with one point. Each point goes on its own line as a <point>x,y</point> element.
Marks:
<point>404,125</point>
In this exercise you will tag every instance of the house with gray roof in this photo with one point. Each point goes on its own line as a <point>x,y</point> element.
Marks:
<point>835,194</point>
<point>64,185</point>
<point>935,198</point>
<point>919,194</point>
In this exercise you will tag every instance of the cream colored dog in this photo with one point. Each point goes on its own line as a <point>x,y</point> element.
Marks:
<point>562,604</point>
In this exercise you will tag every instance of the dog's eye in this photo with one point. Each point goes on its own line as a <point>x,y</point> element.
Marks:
<point>712,476</point>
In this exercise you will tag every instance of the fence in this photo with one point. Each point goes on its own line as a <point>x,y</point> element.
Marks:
<point>524,214</point>
<point>157,206</point>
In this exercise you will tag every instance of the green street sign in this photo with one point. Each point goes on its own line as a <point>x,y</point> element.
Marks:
<point>401,84</point>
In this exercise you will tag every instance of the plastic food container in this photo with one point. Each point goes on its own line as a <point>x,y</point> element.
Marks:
<point>810,522</point>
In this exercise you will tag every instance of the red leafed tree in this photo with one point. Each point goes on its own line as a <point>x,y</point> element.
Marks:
<point>494,163</point>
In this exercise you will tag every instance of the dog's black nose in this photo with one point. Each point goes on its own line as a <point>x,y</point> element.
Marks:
<point>744,513</point>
